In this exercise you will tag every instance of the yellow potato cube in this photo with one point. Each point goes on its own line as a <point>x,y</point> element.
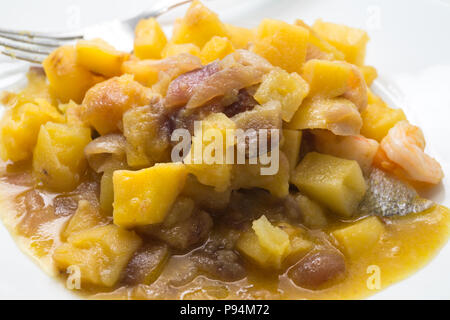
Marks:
<point>149,39</point>
<point>106,102</point>
<point>292,140</point>
<point>144,71</point>
<point>334,182</point>
<point>328,79</point>
<point>318,42</point>
<point>338,115</point>
<point>20,126</point>
<point>207,158</point>
<point>313,215</point>
<point>198,26</point>
<point>240,37</point>
<point>68,80</point>
<point>216,48</point>
<point>360,237</point>
<point>58,159</point>
<point>282,44</point>
<point>288,89</point>
<point>266,245</point>
<point>145,197</point>
<point>173,49</point>
<point>87,216</point>
<point>369,73</point>
<point>350,41</point>
<point>100,253</point>
<point>100,57</point>
<point>378,119</point>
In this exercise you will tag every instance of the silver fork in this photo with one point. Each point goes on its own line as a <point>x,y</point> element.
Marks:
<point>35,46</point>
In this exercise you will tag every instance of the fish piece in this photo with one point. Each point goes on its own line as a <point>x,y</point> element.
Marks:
<point>387,196</point>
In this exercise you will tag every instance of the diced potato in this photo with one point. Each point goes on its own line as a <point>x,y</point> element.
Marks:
<point>378,119</point>
<point>334,182</point>
<point>101,253</point>
<point>145,197</point>
<point>288,89</point>
<point>205,196</point>
<point>72,112</point>
<point>338,115</point>
<point>216,48</point>
<point>292,140</point>
<point>198,26</point>
<point>313,215</point>
<point>87,216</point>
<point>299,244</point>
<point>360,237</point>
<point>147,143</point>
<point>173,49</point>
<point>369,73</point>
<point>144,71</point>
<point>58,159</point>
<point>149,39</point>
<point>107,192</point>
<point>350,41</point>
<point>328,79</point>
<point>272,239</point>
<point>106,102</point>
<point>249,176</point>
<point>282,44</point>
<point>209,167</point>
<point>68,80</point>
<point>100,57</point>
<point>240,37</point>
<point>318,42</point>
<point>266,244</point>
<point>20,126</point>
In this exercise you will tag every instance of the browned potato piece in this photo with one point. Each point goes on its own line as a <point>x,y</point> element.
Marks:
<point>106,102</point>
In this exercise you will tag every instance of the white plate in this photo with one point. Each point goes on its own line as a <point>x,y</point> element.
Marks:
<point>409,47</point>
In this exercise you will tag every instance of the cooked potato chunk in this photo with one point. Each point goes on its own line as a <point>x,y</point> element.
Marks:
<point>369,73</point>
<point>313,215</point>
<point>100,57</point>
<point>266,244</point>
<point>149,39</point>
<point>359,237</point>
<point>338,115</point>
<point>216,48</point>
<point>101,253</point>
<point>288,89</point>
<point>328,79</point>
<point>198,26</point>
<point>292,140</point>
<point>316,41</point>
<point>240,37</point>
<point>68,80</point>
<point>378,119</point>
<point>58,159</point>
<point>206,159</point>
<point>20,127</point>
<point>350,41</point>
<point>173,49</point>
<point>106,102</point>
<point>282,44</point>
<point>336,183</point>
<point>145,197</point>
<point>87,216</point>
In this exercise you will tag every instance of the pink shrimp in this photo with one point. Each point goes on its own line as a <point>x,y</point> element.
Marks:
<point>404,145</point>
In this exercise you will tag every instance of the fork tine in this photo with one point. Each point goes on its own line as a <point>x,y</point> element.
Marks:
<point>25,46</point>
<point>39,41</point>
<point>30,57</point>
<point>44,35</point>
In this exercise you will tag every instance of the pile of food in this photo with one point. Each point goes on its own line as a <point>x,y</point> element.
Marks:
<point>90,188</point>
